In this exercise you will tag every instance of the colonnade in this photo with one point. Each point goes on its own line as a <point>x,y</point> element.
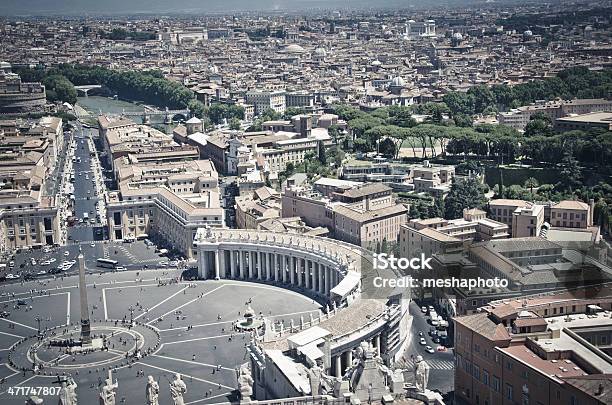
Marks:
<point>296,270</point>
<point>342,361</point>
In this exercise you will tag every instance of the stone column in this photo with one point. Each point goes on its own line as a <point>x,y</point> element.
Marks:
<point>292,266</point>
<point>204,264</point>
<point>326,277</point>
<point>321,271</point>
<point>284,266</point>
<point>313,276</point>
<point>251,264</point>
<point>300,264</point>
<point>242,264</point>
<point>218,263</point>
<point>259,265</point>
<point>377,344</point>
<point>307,273</point>
<point>349,359</point>
<point>275,266</point>
<point>232,263</point>
<point>339,365</point>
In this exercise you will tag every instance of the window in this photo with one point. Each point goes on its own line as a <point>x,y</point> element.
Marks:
<point>496,383</point>
<point>509,391</point>
<point>485,377</point>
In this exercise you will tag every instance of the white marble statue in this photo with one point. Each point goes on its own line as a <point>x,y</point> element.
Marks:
<point>108,394</point>
<point>152,391</point>
<point>67,394</point>
<point>245,382</point>
<point>177,389</point>
<point>421,374</point>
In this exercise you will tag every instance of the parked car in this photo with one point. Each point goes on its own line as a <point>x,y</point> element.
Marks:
<point>429,349</point>
<point>422,342</point>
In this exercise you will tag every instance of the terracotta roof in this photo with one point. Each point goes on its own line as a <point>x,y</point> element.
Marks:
<point>592,384</point>
<point>482,324</point>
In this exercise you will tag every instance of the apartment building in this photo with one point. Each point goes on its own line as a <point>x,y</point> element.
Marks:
<point>527,221</point>
<point>440,236</point>
<point>571,214</point>
<point>169,200</point>
<point>365,216</point>
<point>122,137</point>
<point>542,349</point>
<point>519,118</point>
<point>426,177</point>
<point>29,215</point>
<point>530,265</point>
<point>254,208</point>
<point>584,122</point>
<point>262,100</point>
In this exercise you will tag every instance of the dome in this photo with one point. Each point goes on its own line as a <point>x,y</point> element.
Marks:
<point>398,81</point>
<point>457,36</point>
<point>376,63</point>
<point>528,33</point>
<point>320,52</point>
<point>294,48</point>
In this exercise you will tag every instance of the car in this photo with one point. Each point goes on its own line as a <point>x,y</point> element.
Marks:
<point>430,308</point>
<point>424,310</point>
<point>4,314</point>
<point>436,339</point>
<point>45,263</point>
<point>120,268</point>
<point>66,253</point>
<point>11,276</point>
<point>21,302</point>
<point>12,264</point>
<point>33,262</point>
<point>52,260</point>
<point>422,342</point>
<point>429,349</point>
<point>92,244</point>
<point>42,272</point>
<point>420,333</point>
<point>441,348</point>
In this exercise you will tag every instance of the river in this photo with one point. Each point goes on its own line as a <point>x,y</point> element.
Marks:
<point>97,105</point>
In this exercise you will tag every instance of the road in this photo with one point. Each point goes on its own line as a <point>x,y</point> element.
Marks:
<point>88,237</point>
<point>441,376</point>
<point>86,194</point>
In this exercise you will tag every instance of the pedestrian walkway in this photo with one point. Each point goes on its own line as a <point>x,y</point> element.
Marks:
<point>434,364</point>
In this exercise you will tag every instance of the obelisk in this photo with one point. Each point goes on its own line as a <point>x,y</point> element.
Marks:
<point>85,326</point>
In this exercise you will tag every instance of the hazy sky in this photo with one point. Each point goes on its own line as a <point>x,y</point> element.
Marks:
<point>75,7</point>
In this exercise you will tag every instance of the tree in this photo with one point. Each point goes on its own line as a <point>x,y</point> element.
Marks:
<point>460,102</point>
<point>464,193</point>
<point>60,89</point>
<point>234,124</point>
<point>531,183</point>
<point>570,174</point>
<point>539,124</point>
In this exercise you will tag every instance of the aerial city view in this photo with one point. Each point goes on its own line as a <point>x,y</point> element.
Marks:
<point>305,202</point>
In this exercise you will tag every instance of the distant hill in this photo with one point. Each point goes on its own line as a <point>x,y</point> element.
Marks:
<point>117,7</point>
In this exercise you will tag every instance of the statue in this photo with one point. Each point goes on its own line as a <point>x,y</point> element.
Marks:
<point>421,374</point>
<point>177,389</point>
<point>315,377</point>
<point>245,382</point>
<point>152,391</point>
<point>108,394</point>
<point>67,394</point>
